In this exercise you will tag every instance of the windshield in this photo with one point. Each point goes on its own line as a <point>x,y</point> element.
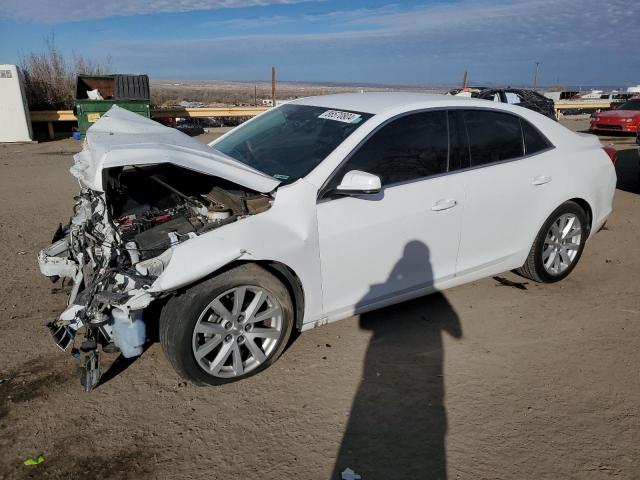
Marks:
<point>290,141</point>
<point>632,105</point>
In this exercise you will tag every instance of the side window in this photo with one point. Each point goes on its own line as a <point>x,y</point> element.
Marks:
<point>493,136</point>
<point>534,141</point>
<point>408,148</point>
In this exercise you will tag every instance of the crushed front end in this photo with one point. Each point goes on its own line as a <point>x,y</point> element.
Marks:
<point>119,241</point>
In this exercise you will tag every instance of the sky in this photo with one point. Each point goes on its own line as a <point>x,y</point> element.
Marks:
<point>577,42</point>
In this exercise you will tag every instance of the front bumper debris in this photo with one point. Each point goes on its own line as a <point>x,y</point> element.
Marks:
<point>106,303</point>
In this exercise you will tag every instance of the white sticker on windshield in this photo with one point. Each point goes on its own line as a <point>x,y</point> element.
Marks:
<point>338,116</point>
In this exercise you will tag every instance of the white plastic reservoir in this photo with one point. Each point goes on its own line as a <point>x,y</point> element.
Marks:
<point>129,332</point>
<point>15,123</point>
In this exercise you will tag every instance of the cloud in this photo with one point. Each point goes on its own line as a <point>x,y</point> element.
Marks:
<point>496,41</point>
<point>578,22</point>
<point>578,41</point>
<point>60,11</point>
<point>337,18</point>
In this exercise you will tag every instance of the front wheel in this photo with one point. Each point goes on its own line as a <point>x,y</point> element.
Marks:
<point>558,246</point>
<point>228,327</point>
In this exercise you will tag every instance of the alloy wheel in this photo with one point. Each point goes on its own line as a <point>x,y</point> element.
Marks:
<point>562,244</point>
<point>237,331</point>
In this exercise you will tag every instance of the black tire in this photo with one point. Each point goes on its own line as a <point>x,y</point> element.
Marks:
<point>534,268</point>
<point>181,313</point>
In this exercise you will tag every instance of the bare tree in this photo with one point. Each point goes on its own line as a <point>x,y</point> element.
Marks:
<point>50,77</point>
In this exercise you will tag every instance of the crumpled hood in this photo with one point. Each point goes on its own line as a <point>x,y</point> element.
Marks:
<point>122,138</point>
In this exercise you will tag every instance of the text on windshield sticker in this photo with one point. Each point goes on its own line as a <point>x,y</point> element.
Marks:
<point>338,116</point>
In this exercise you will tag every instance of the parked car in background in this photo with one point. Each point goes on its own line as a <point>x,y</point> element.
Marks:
<point>523,98</point>
<point>469,91</point>
<point>625,118</point>
<point>309,213</point>
<point>513,96</point>
<point>557,95</point>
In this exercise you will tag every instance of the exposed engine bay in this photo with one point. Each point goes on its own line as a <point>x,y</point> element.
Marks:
<point>156,207</point>
<point>119,240</point>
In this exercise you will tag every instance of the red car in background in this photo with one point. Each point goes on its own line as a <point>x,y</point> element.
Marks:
<point>625,118</point>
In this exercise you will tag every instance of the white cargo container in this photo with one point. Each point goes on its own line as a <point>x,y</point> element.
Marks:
<point>15,123</point>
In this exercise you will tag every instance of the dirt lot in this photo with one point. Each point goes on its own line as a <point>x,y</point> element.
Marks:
<point>483,381</point>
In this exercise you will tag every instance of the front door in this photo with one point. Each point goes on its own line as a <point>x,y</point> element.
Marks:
<point>378,246</point>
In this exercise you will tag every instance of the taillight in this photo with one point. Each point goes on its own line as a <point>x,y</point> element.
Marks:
<point>612,152</point>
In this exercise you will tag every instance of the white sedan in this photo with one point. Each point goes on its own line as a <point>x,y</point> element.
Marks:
<point>316,210</point>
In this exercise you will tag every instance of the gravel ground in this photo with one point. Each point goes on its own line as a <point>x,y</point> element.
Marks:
<point>482,381</point>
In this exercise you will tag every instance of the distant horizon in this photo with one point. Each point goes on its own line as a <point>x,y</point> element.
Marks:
<point>393,85</point>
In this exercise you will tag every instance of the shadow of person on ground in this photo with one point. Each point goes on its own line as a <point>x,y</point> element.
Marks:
<point>398,423</point>
<point>628,170</point>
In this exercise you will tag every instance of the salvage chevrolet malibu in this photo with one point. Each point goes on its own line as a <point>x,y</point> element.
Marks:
<point>311,212</point>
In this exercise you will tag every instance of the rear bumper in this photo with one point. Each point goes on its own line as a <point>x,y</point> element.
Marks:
<point>599,222</point>
<point>603,201</point>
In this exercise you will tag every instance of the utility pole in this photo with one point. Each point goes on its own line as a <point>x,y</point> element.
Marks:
<point>255,95</point>
<point>535,76</point>
<point>273,86</point>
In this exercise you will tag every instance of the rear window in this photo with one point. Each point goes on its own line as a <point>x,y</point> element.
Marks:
<point>493,136</point>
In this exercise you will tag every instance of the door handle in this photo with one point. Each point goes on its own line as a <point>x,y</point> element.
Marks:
<point>540,180</point>
<point>444,204</point>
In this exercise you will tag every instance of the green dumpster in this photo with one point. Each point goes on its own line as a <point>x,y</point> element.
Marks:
<point>95,95</point>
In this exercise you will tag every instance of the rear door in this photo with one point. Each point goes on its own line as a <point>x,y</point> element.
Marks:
<point>506,188</point>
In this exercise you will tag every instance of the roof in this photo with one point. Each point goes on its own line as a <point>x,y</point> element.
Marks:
<point>378,102</point>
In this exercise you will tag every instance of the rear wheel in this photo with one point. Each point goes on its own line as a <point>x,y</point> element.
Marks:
<point>228,327</point>
<point>558,246</point>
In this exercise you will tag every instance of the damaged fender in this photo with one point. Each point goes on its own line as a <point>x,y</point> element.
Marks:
<point>291,233</point>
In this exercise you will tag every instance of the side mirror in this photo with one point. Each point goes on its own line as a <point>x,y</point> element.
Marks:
<point>357,182</point>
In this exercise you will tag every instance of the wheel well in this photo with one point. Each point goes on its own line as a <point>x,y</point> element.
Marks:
<point>285,274</point>
<point>584,205</point>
